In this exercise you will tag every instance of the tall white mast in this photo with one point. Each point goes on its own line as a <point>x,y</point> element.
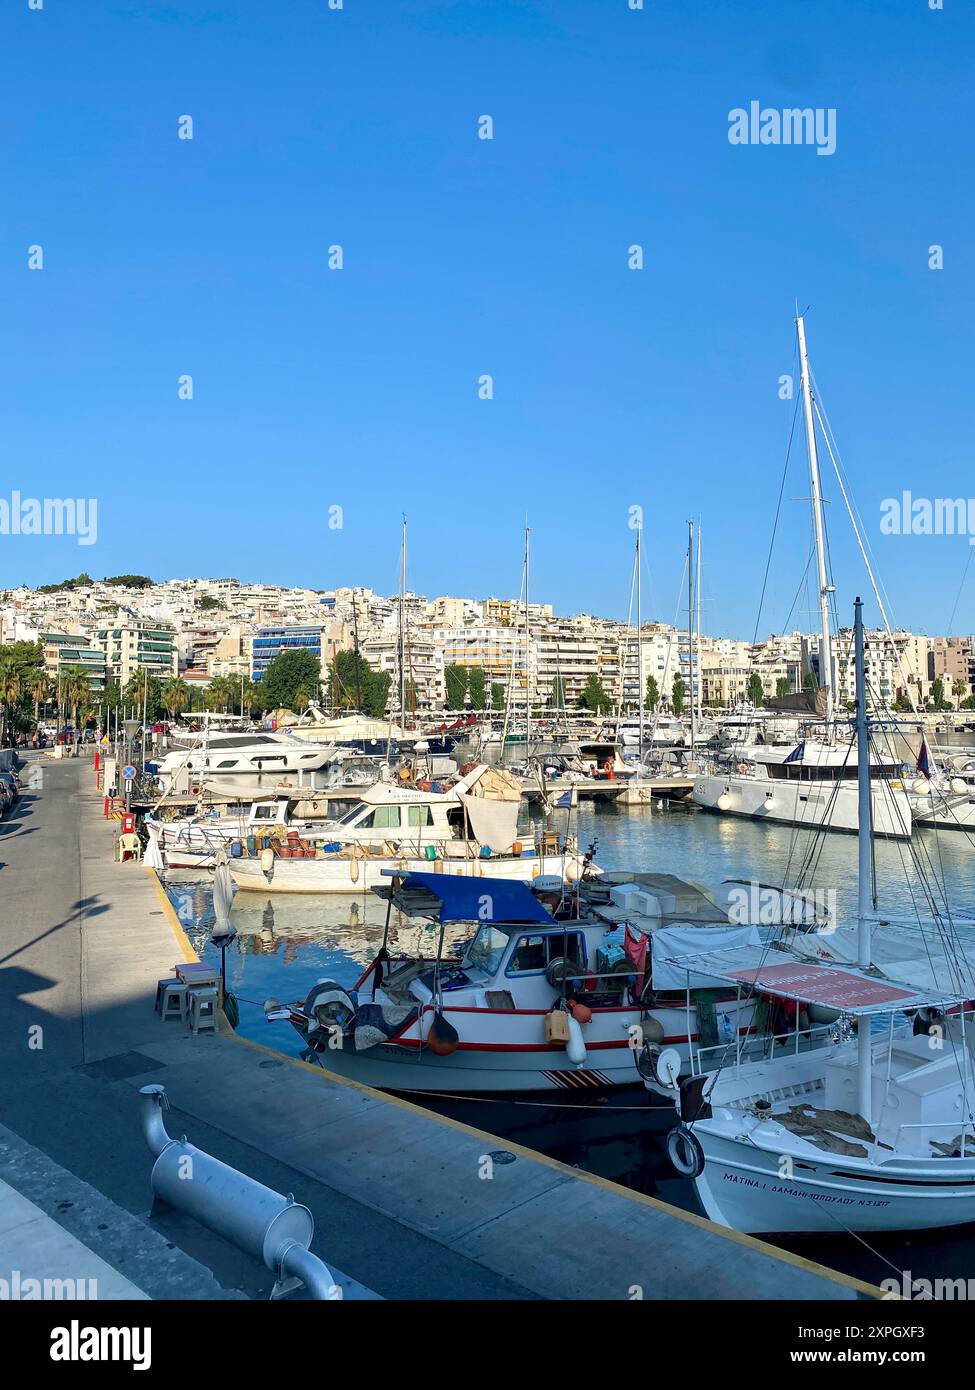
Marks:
<point>816,497</point>
<point>402,631</point>
<point>528,658</point>
<point>700,683</point>
<point>690,630</point>
<point>639,633</point>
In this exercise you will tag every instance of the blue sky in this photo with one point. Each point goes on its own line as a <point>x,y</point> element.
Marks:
<point>358,388</point>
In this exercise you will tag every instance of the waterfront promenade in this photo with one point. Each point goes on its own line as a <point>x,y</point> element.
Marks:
<point>400,1207</point>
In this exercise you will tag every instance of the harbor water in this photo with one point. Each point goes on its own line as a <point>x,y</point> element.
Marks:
<point>285,943</point>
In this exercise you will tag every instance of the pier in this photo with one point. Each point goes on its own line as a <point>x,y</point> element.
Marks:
<point>401,1206</point>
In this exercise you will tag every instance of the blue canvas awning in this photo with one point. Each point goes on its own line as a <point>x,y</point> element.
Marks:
<point>462,898</point>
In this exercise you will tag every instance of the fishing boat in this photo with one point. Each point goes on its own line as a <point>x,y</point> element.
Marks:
<point>875,1130</point>
<point>544,995</point>
<point>468,829</point>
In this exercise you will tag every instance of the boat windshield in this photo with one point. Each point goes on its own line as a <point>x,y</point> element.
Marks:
<point>349,816</point>
<point>487,949</point>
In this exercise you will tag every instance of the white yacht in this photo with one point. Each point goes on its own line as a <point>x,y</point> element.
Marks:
<point>813,786</point>
<point>235,753</point>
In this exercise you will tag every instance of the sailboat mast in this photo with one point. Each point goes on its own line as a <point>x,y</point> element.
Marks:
<point>690,629</point>
<point>528,696</point>
<point>639,633</point>
<point>816,497</point>
<point>864,863</point>
<point>697,645</point>
<point>402,651</point>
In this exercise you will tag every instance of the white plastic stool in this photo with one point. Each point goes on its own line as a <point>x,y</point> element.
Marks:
<point>172,999</point>
<point>203,1008</point>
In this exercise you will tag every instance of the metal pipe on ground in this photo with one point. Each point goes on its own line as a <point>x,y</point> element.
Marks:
<point>273,1229</point>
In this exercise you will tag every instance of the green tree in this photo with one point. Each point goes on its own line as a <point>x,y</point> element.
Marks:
<point>594,697</point>
<point>10,690</point>
<point>175,696</point>
<point>375,692</point>
<point>455,678</point>
<point>75,683</point>
<point>677,695</point>
<point>651,697</point>
<point>558,693</point>
<point>220,693</point>
<point>143,687</point>
<point>938,694</point>
<point>756,691</point>
<point>782,685</point>
<point>207,602</point>
<point>810,682</point>
<point>475,684</point>
<point>289,673</point>
<point>497,695</point>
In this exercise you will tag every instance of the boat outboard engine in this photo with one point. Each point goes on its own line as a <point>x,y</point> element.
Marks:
<point>329,1008</point>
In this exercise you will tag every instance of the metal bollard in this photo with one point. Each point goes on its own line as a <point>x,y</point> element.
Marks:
<point>273,1229</point>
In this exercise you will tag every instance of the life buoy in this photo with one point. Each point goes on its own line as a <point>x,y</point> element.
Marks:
<point>685,1152</point>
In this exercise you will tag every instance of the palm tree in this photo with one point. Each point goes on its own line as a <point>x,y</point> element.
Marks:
<point>40,689</point>
<point>220,693</point>
<point>175,695</point>
<point>10,688</point>
<point>76,690</point>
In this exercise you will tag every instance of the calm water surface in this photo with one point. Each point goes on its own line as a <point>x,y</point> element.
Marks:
<point>284,944</point>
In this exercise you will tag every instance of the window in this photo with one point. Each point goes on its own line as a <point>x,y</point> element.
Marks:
<point>535,953</point>
<point>420,815</point>
<point>487,949</point>
<point>382,818</point>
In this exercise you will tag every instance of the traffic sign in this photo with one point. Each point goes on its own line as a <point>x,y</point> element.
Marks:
<point>128,772</point>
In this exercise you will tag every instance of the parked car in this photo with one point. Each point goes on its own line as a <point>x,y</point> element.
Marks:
<point>10,786</point>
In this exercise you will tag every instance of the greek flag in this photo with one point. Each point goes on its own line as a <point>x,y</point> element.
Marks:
<point>797,754</point>
<point>565,800</point>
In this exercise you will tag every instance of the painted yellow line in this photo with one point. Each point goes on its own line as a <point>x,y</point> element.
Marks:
<point>761,1247</point>
<point>169,912</point>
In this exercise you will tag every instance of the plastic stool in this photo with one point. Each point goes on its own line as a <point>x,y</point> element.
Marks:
<point>203,1008</point>
<point>160,986</point>
<point>173,999</point>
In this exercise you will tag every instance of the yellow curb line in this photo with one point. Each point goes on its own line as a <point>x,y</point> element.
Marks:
<point>169,912</point>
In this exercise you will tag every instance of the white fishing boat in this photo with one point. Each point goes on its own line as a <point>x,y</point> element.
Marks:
<point>874,1132</point>
<point>538,998</point>
<point>469,829</point>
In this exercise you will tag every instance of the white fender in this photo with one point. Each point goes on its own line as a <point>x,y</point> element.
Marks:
<point>575,1048</point>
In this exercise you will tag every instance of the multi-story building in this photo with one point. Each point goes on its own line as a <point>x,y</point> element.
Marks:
<point>60,649</point>
<point>423,668</point>
<point>952,661</point>
<point>136,646</point>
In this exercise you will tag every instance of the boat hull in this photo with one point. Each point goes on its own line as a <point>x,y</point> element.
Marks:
<point>742,1186</point>
<point>827,806</point>
<point>355,874</point>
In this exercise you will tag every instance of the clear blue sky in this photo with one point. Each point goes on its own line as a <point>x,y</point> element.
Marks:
<point>358,388</point>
